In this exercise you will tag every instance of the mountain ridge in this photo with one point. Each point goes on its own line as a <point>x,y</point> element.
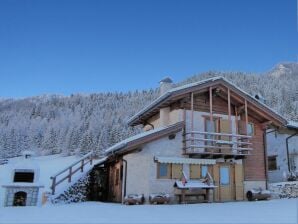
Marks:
<point>79,123</point>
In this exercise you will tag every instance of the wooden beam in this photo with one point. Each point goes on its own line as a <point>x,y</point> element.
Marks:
<point>241,109</point>
<point>236,120</point>
<point>229,112</point>
<point>246,116</point>
<point>211,104</point>
<point>264,125</point>
<point>192,115</point>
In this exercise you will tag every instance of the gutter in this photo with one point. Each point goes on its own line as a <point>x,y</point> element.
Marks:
<point>288,153</point>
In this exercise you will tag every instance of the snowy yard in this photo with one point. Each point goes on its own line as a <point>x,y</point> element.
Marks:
<point>274,211</point>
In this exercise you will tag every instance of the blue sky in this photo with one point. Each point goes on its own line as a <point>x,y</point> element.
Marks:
<point>70,46</point>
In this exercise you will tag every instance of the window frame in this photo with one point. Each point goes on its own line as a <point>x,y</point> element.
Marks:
<point>220,176</point>
<point>169,171</point>
<point>269,162</point>
<point>252,125</point>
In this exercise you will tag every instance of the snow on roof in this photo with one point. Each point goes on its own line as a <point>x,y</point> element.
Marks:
<point>168,93</point>
<point>123,143</point>
<point>292,124</point>
<point>173,90</point>
<point>193,184</point>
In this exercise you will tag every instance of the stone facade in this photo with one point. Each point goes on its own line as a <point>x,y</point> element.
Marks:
<point>31,199</point>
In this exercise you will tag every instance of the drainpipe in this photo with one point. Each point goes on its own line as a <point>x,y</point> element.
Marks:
<point>288,153</point>
<point>265,154</point>
<point>125,176</point>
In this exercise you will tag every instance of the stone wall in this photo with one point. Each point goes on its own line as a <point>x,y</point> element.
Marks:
<point>32,195</point>
<point>284,189</point>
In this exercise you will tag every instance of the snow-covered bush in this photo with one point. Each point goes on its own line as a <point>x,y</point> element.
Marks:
<point>76,193</point>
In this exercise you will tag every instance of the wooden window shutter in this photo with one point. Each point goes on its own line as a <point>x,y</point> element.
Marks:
<point>195,171</point>
<point>176,171</point>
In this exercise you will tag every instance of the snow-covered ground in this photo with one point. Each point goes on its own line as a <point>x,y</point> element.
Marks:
<point>274,211</point>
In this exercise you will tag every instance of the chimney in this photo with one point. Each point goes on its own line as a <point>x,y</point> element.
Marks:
<point>260,98</point>
<point>165,85</point>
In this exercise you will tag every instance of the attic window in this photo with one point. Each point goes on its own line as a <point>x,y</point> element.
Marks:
<point>26,177</point>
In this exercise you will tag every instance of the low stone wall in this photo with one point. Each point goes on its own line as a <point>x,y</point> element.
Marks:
<point>284,189</point>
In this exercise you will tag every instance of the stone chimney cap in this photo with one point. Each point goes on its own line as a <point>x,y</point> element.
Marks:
<point>166,80</point>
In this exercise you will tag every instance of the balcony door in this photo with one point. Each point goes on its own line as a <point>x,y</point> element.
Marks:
<point>211,127</point>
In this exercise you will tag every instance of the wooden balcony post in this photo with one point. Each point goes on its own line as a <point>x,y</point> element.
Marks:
<point>192,118</point>
<point>211,111</point>
<point>69,175</point>
<point>229,111</point>
<point>229,116</point>
<point>211,104</point>
<point>184,131</point>
<point>246,117</point>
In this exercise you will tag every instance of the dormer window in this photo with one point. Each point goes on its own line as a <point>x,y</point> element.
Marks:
<point>23,176</point>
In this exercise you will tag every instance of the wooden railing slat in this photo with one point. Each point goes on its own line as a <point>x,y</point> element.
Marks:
<point>71,171</point>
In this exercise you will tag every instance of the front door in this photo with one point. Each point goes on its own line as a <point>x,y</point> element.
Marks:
<point>224,180</point>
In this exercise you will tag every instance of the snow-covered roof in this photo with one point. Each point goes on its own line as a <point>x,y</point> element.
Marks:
<point>170,92</point>
<point>292,124</point>
<point>143,135</point>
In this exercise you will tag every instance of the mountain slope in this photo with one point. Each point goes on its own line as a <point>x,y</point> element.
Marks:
<point>80,123</point>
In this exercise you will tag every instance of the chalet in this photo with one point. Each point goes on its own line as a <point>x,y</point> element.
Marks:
<point>205,129</point>
<point>282,146</point>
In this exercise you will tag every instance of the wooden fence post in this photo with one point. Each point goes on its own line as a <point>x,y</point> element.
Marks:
<point>53,185</point>
<point>82,165</point>
<point>70,173</point>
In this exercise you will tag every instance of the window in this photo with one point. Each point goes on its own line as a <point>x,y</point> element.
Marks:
<point>164,171</point>
<point>224,175</point>
<point>194,171</point>
<point>250,129</point>
<point>272,164</point>
<point>27,177</point>
<point>176,171</point>
<point>204,171</point>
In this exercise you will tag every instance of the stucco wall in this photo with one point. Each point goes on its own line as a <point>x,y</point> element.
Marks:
<point>276,146</point>
<point>142,170</point>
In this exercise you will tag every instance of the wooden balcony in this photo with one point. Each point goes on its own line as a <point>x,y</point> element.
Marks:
<point>216,145</point>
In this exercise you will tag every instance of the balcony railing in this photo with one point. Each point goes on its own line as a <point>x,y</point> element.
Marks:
<point>217,144</point>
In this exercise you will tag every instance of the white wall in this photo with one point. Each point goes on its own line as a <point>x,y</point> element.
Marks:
<point>142,170</point>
